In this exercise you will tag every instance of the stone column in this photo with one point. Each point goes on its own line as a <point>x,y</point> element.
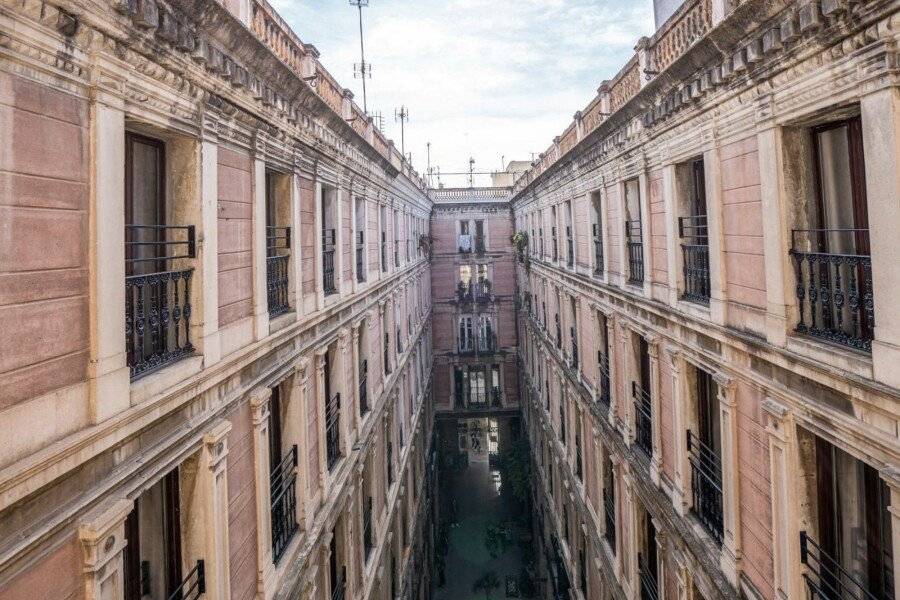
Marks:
<point>339,282</point>
<point>618,487</point>
<point>891,476</point>
<point>296,261</point>
<point>712,168</point>
<point>881,141</point>
<point>784,475</point>
<point>626,402</point>
<point>346,390</point>
<point>684,589</point>
<point>205,322</point>
<point>731,543</point>
<point>203,479</point>
<point>645,60</point>
<point>663,546</point>
<point>321,402</point>
<point>613,372</point>
<point>102,537</point>
<point>655,410</point>
<point>108,373</point>
<point>776,242</point>
<point>628,545</point>
<point>258,242</point>
<point>317,244</point>
<point>354,375</point>
<point>295,429</point>
<point>674,259</point>
<point>682,490</point>
<point>259,409</point>
<point>646,222</point>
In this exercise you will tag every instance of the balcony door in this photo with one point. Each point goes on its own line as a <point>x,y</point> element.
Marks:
<point>152,556</point>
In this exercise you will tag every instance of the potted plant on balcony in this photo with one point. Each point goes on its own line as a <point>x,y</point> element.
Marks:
<point>520,241</point>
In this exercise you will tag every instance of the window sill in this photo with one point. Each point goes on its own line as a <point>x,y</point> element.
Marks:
<point>834,355</point>
<point>282,321</point>
<point>155,384</point>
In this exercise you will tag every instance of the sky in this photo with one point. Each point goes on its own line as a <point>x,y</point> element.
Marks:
<point>486,79</point>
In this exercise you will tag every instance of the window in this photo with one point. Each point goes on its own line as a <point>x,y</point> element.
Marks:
<point>634,237</point>
<point>329,238</point>
<point>609,501</point>
<point>570,236</point>
<point>704,445</point>
<point>332,414</point>
<point>573,333</point>
<point>603,383</point>
<point>643,406</point>
<point>648,565</point>
<point>466,334</point>
<point>282,480</point>
<point>848,549</point>
<point>363,384</point>
<point>597,232</point>
<point>397,230</point>
<point>832,256</point>
<point>360,220</point>
<point>157,282</point>
<point>383,219</point>
<point>278,243</point>
<point>692,229</point>
<point>480,239</point>
<point>554,248</point>
<point>152,556</point>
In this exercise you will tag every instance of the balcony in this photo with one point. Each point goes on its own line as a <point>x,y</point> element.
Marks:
<point>475,291</point>
<point>363,387</point>
<point>827,579</point>
<point>333,431</point>
<point>360,256</point>
<point>282,485</point>
<point>609,513</point>
<point>649,586</point>
<point>695,258</point>
<point>643,418</point>
<point>329,241</point>
<point>833,272</point>
<point>157,296</point>
<point>706,485</point>
<point>278,246</point>
<point>634,241</point>
<point>193,586</point>
<point>368,533</point>
<point>604,396</point>
<point>482,344</point>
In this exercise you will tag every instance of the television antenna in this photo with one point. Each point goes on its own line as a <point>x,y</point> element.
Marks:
<point>401,115</point>
<point>362,69</point>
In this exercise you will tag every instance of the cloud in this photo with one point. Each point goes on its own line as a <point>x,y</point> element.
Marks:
<point>481,78</point>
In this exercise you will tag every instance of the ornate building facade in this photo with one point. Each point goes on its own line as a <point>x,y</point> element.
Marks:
<point>216,314</point>
<point>708,340</point>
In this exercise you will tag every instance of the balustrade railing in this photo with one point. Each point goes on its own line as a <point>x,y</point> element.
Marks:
<point>635,243</point>
<point>329,241</point>
<point>827,579</point>
<point>278,246</point>
<point>194,584</point>
<point>834,285</point>
<point>282,486</point>
<point>695,258</point>
<point>706,485</point>
<point>333,430</point>
<point>157,295</point>
<point>643,418</point>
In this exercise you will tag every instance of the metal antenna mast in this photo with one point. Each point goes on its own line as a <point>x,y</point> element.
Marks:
<point>401,115</point>
<point>471,172</point>
<point>428,148</point>
<point>378,120</point>
<point>362,70</point>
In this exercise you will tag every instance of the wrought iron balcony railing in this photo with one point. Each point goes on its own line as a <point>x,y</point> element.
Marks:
<point>574,337</point>
<point>333,430</point>
<point>634,240</point>
<point>157,295</point>
<point>828,579</point>
<point>609,511</point>
<point>648,578</point>
<point>479,245</point>
<point>282,486</point>
<point>278,247</point>
<point>643,418</point>
<point>193,586</point>
<point>706,485</point>
<point>603,367</point>
<point>360,256</point>
<point>387,353</point>
<point>363,387</point>
<point>834,285</point>
<point>474,291</point>
<point>695,257</point>
<point>329,241</point>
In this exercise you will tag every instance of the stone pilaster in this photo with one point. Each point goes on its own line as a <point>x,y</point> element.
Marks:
<point>102,537</point>
<point>655,410</point>
<point>731,543</point>
<point>260,406</point>
<point>258,244</point>
<point>681,491</point>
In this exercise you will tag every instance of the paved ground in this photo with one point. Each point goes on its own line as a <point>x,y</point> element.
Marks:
<point>475,491</point>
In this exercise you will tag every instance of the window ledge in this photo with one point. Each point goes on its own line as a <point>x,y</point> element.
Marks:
<point>153,385</point>
<point>282,321</point>
<point>833,355</point>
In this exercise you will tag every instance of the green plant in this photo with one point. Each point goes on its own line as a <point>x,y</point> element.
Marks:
<point>425,242</point>
<point>498,538</point>
<point>517,468</point>
<point>486,584</point>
